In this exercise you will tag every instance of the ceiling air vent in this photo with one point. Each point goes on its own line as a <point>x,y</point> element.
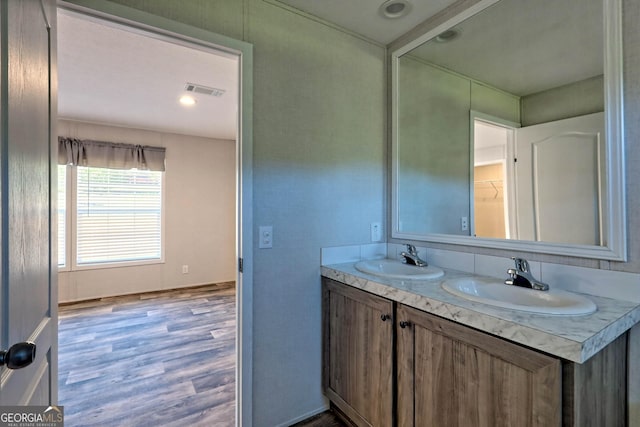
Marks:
<point>204,90</point>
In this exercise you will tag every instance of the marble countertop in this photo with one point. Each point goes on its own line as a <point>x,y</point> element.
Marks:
<point>574,338</point>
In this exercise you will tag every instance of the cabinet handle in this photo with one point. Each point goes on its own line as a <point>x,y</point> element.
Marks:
<point>385,317</point>
<point>405,324</point>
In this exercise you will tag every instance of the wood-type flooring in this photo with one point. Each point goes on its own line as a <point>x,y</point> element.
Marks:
<point>324,419</point>
<point>156,359</point>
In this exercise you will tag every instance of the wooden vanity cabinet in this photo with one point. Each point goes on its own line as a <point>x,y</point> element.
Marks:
<point>451,375</point>
<point>358,354</point>
<point>414,369</point>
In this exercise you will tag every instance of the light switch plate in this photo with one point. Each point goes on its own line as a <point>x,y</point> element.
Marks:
<point>266,237</point>
<point>376,232</point>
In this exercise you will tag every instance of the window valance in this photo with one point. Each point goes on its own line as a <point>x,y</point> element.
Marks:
<point>111,155</point>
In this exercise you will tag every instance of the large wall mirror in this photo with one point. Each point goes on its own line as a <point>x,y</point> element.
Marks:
<point>507,129</point>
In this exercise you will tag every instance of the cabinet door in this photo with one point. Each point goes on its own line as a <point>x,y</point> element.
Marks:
<point>358,354</point>
<point>451,375</point>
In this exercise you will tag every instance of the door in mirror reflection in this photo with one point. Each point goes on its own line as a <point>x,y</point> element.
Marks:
<point>550,189</point>
<point>559,181</point>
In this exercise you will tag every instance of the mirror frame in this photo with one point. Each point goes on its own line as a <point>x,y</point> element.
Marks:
<point>615,209</point>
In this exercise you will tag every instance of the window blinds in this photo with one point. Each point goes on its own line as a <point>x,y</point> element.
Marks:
<point>118,215</point>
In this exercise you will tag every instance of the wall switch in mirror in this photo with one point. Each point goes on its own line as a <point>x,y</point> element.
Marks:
<point>376,232</point>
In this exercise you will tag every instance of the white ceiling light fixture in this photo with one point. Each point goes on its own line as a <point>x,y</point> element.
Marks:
<point>187,100</point>
<point>393,9</point>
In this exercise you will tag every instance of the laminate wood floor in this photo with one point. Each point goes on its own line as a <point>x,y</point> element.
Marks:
<point>325,419</point>
<point>157,359</point>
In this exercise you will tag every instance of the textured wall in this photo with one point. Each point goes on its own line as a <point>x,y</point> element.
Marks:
<point>572,100</point>
<point>319,178</point>
<point>433,117</point>
<point>631,46</point>
<point>631,37</point>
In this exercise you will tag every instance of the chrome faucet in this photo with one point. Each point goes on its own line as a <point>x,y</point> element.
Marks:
<point>521,276</point>
<point>411,257</point>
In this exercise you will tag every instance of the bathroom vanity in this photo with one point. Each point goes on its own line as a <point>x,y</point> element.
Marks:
<point>407,353</point>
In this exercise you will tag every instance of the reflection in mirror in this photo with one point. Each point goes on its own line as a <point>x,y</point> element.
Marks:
<point>499,130</point>
<point>493,204</point>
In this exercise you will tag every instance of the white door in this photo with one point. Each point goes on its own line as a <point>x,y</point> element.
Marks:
<point>559,174</point>
<point>28,306</point>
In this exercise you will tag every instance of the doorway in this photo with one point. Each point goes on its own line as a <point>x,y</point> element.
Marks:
<point>493,198</point>
<point>181,35</point>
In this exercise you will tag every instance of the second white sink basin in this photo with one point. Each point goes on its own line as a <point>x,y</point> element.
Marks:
<point>494,292</point>
<point>392,269</point>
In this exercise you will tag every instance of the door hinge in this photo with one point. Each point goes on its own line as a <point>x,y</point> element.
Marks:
<point>240,262</point>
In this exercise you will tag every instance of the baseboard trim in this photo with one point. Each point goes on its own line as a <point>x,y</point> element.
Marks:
<point>225,284</point>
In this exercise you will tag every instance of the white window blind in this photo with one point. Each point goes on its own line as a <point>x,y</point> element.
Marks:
<point>118,215</point>
<point>62,215</point>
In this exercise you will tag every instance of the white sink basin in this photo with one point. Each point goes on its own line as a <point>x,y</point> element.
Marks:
<point>496,293</point>
<point>393,269</point>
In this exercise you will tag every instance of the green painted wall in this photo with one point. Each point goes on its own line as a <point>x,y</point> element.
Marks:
<point>433,106</point>
<point>224,17</point>
<point>572,100</point>
<point>494,102</point>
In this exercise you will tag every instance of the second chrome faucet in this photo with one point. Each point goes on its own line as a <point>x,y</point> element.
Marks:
<point>521,276</point>
<point>411,257</point>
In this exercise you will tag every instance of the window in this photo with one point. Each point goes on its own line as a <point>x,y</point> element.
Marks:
<point>116,216</point>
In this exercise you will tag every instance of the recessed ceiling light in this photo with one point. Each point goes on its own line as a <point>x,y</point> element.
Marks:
<point>447,36</point>
<point>393,9</point>
<point>187,100</point>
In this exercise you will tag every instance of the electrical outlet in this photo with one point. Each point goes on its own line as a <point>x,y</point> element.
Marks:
<point>376,232</point>
<point>266,237</point>
<point>464,223</point>
<point>185,269</point>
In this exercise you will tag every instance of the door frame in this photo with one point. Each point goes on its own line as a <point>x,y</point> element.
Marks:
<point>186,34</point>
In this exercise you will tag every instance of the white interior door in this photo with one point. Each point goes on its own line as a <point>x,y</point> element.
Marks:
<point>28,306</point>
<point>559,173</point>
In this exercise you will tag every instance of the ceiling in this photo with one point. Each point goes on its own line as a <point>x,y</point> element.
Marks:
<point>363,16</point>
<point>107,74</point>
<point>110,74</point>
<point>519,46</point>
<point>525,47</point>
